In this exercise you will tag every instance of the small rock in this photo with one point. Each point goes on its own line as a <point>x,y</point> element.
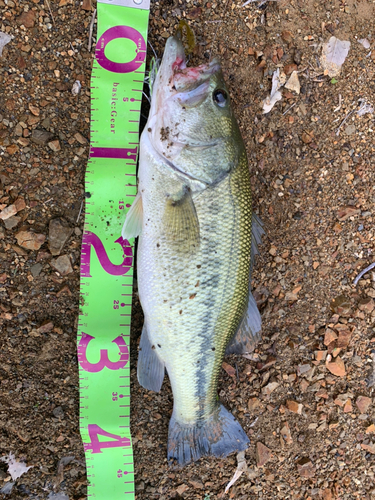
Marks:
<point>79,137</point>
<point>41,137</point>
<point>350,130</point>
<point>62,265</point>
<point>253,403</point>
<point>366,305</point>
<point>8,211</point>
<point>34,110</point>
<point>29,240</point>
<point>291,297</point>
<point>55,145</point>
<point>285,432</point>
<point>305,468</point>
<point>337,367</point>
<point>294,406</point>
<point>345,212</point>
<point>307,137</point>
<point>269,388</point>
<point>58,412</point>
<point>289,68</point>
<point>182,488</point>
<point>59,232</point>
<point>263,454</point>
<point>197,484</point>
<point>329,337</point>
<point>11,222</point>
<point>369,447</point>
<point>348,408</point>
<point>370,429</point>
<point>287,36</point>
<point>45,327</point>
<point>57,496</point>
<point>36,270</point>
<point>27,19</point>
<point>341,305</point>
<point>320,355</point>
<point>363,403</point>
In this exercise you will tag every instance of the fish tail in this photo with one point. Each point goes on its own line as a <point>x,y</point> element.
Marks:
<point>219,435</point>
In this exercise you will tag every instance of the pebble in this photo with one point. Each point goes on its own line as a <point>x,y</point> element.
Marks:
<point>263,454</point>
<point>36,270</point>
<point>59,232</point>
<point>62,265</point>
<point>363,403</point>
<point>350,130</point>
<point>41,137</point>
<point>30,240</point>
<point>55,145</point>
<point>12,222</point>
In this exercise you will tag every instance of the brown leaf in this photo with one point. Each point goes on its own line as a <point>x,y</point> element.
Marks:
<point>229,369</point>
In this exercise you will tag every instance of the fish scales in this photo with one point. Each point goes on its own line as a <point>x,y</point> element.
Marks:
<point>193,215</point>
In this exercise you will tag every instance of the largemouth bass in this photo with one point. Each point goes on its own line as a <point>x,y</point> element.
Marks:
<point>193,216</point>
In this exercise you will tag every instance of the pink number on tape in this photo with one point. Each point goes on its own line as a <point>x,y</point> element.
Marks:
<point>104,361</point>
<point>91,239</point>
<point>121,32</point>
<point>96,446</point>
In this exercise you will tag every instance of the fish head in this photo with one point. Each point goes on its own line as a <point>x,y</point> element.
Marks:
<point>191,123</point>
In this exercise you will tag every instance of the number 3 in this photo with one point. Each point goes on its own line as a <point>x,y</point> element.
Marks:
<point>104,360</point>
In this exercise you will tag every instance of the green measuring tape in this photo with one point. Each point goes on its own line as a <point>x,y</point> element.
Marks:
<point>106,259</point>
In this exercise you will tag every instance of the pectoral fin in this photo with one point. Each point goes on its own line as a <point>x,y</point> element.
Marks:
<point>133,223</point>
<point>180,220</point>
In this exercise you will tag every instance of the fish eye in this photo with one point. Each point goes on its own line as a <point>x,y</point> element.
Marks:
<point>220,97</point>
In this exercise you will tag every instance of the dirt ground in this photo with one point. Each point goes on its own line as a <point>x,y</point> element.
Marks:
<point>305,396</point>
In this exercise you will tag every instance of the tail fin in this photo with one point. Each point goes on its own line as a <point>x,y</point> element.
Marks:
<point>219,435</point>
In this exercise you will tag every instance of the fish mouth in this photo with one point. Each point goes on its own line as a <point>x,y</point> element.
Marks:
<point>182,77</point>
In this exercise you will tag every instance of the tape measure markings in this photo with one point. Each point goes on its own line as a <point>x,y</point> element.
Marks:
<point>103,338</point>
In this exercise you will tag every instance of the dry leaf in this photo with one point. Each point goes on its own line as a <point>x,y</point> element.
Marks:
<point>4,39</point>
<point>333,55</point>
<point>293,83</point>
<point>241,468</point>
<point>277,82</point>
<point>15,468</point>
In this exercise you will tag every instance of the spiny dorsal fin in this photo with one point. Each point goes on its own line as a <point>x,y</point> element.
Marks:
<point>133,223</point>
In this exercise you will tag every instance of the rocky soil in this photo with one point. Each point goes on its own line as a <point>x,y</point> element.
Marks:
<point>305,396</point>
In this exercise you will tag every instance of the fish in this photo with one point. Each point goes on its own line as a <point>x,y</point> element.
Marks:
<point>197,240</point>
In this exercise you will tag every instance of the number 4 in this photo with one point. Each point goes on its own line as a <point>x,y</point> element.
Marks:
<point>96,446</point>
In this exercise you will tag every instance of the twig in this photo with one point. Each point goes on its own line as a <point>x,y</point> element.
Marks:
<point>80,211</point>
<point>50,11</point>
<point>339,106</point>
<point>344,120</point>
<point>289,109</point>
<point>371,266</point>
<point>91,30</point>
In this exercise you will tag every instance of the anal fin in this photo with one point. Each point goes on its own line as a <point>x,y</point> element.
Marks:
<point>248,333</point>
<point>150,369</point>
